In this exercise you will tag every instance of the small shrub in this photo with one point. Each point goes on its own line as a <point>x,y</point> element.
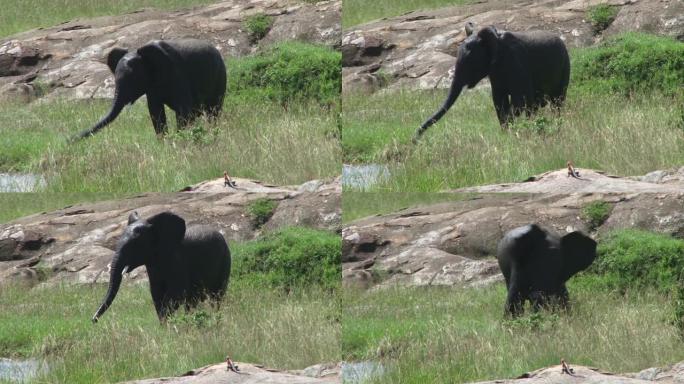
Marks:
<point>601,16</point>
<point>258,26</point>
<point>261,210</point>
<point>635,259</point>
<point>596,213</point>
<point>291,258</point>
<point>631,63</point>
<point>287,72</point>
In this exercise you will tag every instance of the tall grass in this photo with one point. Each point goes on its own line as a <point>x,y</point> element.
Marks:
<point>284,331</point>
<point>624,136</point>
<point>24,15</point>
<point>458,335</point>
<point>359,11</point>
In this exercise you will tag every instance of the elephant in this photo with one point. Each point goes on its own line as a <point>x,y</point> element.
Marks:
<point>187,75</point>
<point>526,71</point>
<point>536,264</point>
<point>184,266</point>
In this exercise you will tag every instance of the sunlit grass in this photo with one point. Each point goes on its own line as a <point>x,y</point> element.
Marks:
<point>359,11</point>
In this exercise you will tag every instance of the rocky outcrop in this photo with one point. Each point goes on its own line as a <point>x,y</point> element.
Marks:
<point>75,244</point>
<point>251,374</point>
<point>590,181</point>
<point>552,375</point>
<point>418,50</point>
<point>454,243</point>
<point>67,61</point>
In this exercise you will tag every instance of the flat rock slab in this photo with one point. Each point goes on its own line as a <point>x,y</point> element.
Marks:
<point>586,375</point>
<point>454,243</point>
<point>75,244</point>
<point>418,50</point>
<point>590,181</point>
<point>249,374</point>
<point>67,61</point>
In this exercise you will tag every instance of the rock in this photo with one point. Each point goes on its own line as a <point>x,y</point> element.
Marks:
<point>592,181</point>
<point>454,243</point>
<point>75,244</point>
<point>417,50</point>
<point>249,374</point>
<point>69,58</point>
<point>552,375</point>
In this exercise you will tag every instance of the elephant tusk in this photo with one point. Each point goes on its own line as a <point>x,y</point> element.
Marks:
<point>124,271</point>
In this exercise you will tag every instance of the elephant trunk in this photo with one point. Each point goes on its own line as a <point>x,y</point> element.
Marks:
<point>117,107</point>
<point>455,90</point>
<point>114,282</point>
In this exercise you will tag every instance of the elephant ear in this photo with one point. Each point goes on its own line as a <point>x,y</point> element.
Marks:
<point>114,56</point>
<point>133,217</point>
<point>469,28</point>
<point>156,57</point>
<point>490,38</point>
<point>169,229</point>
<point>578,252</point>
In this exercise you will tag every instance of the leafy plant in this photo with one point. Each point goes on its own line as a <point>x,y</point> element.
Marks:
<point>601,16</point>
<point>631,63</point>
<point>287,72</point>
<point>596,213</point>
<point>678,310</point>
<point>258,26</point>
<point>634,259</point>
<point>291,258</point>
<point>261,210</point>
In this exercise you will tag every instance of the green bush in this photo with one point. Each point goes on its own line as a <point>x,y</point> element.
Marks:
<point>601,16</point>
<point>630,63</point>
<point>287,72</point>
<point>258,26</point>
<point>261,210</point>
<point>635,259</point>
<point>678,307</point>
<point>290,258</point>
<point>596,213</point>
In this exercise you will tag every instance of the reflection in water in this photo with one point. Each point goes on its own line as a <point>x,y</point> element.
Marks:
<point>363,176</point>
<point>21,182</point>
<point>21,370</point>
<point>361,372</point>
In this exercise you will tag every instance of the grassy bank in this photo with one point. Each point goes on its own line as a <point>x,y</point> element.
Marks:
<point>359,11</point>
<point>356,205</point>
<point>281,323</point>
<point>264,132</point>
<point>458,335</point>
<point>24,15</point>
<point>623,115</point>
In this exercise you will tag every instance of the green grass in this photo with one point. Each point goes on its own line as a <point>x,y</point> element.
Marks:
<point>281,325</point>
<point>258,26</point>
<point>24,15</point>
<point>261,210</point>
<point>596,213</point>
<point>441,335</point>
<point>291,258</point>
<point>601,16</point>
<point>360,11</point>
<point>468,147</point>
<point>16,205</point>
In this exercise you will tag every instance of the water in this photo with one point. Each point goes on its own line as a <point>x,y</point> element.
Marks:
<point>21,182</point>
<point>361,372</point>
<point>363,176</point>
<point>21,370</point>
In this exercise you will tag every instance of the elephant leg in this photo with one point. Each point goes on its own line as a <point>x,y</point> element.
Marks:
<point>157,114</point>
<point>515,301</point>
<point>564,298</point>
<point>158,297</point>
<point>502,105</point>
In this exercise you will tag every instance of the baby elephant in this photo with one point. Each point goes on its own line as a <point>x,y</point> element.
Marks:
<point>187,75</point>
<point>184,266</point>
<point>536,264</point>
